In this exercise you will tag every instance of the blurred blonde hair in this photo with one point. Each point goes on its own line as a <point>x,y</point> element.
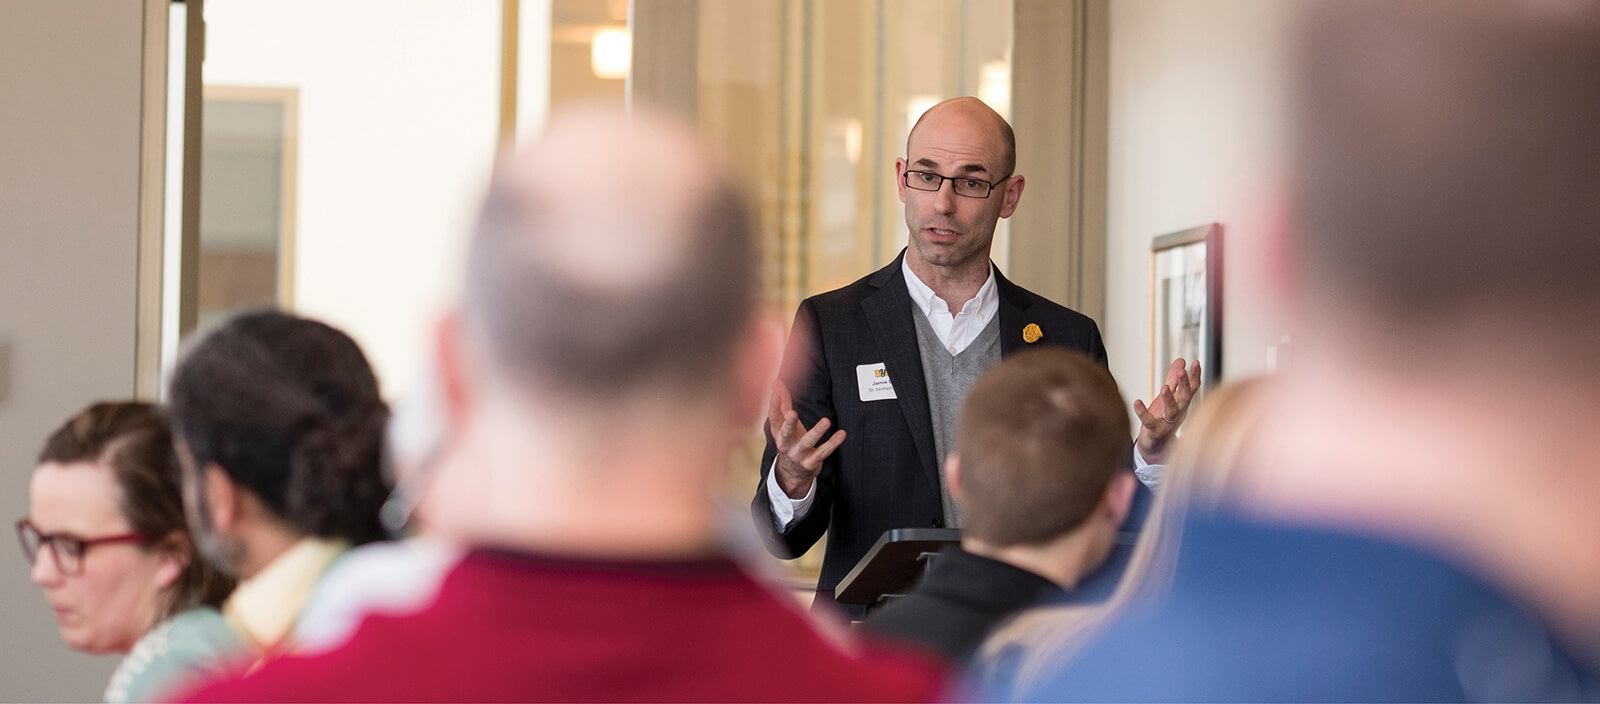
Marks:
<point>1200,474</point>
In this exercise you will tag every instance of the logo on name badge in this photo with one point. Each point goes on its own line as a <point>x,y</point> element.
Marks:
<point>1032,333</point>
<point>874,383</point>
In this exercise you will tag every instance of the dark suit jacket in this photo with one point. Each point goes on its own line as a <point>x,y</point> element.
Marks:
<point>963,597</point>
<point>885,475</point>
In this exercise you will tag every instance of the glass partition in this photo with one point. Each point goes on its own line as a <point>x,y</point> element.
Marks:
<point>813,99</point>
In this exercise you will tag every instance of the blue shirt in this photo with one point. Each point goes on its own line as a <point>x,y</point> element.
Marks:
<point>1260,612</point>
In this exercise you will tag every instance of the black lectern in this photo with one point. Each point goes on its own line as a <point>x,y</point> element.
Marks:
<point>893,565</point>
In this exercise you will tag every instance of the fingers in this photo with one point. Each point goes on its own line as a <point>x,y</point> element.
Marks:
<point>1167,398</point>
<point>780,395</point>
<point>814,435</point>
<point>1184,393</point>
<point>1146,418</point>
<point>779,410</point>
<point>804,457</point>
<point>782,436</point>
<point>822,452</point>
<point>1175,372</point>
<point>775,410</point>
<point>793,439</point>
<point>1184,380</point>
<point>1165,407</point>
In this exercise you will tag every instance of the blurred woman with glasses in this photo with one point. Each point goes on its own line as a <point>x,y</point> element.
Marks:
<point>109,545</point>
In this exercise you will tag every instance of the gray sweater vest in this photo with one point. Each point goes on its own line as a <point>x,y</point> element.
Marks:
<point>949,377</point>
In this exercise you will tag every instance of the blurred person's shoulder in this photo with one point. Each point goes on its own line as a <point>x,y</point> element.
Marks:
<point>192,646</point>
<point>387,577</point>
<point>1274,612</point>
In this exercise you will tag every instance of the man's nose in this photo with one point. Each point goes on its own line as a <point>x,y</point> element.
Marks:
<point>944,199</point>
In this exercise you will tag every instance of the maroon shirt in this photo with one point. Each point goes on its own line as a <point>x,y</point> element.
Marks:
<point>515,627</point>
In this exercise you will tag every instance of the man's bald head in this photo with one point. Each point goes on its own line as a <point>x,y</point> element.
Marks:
<point>980,120</point>
<point>613,254</point>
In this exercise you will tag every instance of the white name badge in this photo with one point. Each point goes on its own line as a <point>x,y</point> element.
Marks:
<point>874,382</point>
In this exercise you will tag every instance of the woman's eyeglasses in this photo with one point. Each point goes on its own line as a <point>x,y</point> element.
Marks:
<point>67,550</point>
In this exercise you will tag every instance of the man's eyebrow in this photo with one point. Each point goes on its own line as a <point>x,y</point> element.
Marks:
<point>963,170</point>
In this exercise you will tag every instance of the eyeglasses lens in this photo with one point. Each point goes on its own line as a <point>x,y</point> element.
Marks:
<point>971,189</point>
<point>66,551</point>
<point>29,538</point>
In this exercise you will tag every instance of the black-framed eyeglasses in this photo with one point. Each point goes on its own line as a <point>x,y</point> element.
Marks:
<point>966,186</point>
<point>67,550</point>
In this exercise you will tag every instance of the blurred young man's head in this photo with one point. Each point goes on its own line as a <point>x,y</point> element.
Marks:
<point>1043,441</point>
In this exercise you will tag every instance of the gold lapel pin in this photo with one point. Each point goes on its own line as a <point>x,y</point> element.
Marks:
<point>1032,333</point>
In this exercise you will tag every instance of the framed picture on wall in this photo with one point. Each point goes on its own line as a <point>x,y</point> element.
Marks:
<point>1186,302</point>
<point>249,154</point>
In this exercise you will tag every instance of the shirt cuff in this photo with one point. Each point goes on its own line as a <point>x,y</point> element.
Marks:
<point>785,511</point>
<point>1148,473</point>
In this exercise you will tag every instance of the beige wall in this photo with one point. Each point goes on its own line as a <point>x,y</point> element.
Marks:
<point>1196,135</point>
<point>69,216</point>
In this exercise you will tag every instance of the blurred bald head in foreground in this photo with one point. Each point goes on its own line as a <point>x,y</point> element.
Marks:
<point>613,256</point>
<point>1418,520</point>
<point>608,317</point>
<point>603,364</point>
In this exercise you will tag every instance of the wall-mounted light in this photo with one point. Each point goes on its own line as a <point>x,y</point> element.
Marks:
<point>852,141</point>
<point>611,53</point>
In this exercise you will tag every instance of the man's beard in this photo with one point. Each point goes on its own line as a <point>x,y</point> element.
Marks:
<point>224,554</point>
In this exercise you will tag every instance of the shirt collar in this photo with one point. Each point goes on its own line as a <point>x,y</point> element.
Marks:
<point>988,294</point>
<point>266,607</point>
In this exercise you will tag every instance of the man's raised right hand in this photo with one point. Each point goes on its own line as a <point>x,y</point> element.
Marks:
<point>799,456</point>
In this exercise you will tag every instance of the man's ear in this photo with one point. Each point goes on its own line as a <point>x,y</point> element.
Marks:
<point>900,178</point>
<point>223,498</point>
<point>952,475</point>
<point>1013,195</point>
<point>1118,497</point>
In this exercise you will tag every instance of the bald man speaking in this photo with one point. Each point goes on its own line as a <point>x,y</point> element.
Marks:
<point>885,362</point>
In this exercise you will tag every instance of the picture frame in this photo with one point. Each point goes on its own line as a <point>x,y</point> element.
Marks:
<point>1186,302</point>
<point>250,167</point>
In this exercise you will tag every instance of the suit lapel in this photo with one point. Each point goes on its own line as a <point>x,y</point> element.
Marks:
<point>1014,304</point>
<point>888,313</point>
